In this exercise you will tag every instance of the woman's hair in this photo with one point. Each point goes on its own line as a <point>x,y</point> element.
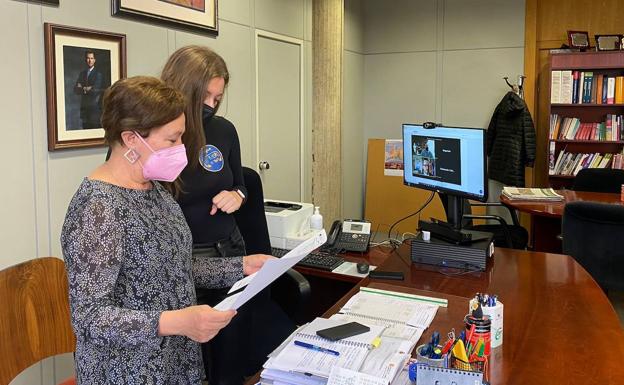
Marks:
<point>139,104</point>
<point>189,70</point>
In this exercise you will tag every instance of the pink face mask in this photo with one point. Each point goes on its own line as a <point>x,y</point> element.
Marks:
<point>165,164</point>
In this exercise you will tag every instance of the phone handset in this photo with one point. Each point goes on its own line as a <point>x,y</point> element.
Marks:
<point>332,237</point>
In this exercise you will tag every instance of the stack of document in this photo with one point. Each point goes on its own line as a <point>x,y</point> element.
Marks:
<point>531,194</point>
<point>396,323</point>
<point>291,360</point>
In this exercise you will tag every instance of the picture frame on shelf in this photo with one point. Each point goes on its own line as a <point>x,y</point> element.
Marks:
<point>80,64</point>
<point>608,42</point>
<point>578,39</point>
<point>194,15</point>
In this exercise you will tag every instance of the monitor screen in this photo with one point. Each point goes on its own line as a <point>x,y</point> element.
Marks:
<point>446,159</point>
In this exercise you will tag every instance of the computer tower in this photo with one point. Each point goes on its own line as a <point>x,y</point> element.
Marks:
<point>472,256</point>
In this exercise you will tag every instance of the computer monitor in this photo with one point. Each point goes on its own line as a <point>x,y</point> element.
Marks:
<point>451,160</point>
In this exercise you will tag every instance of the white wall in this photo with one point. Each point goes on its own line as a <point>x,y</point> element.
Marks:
<point>426,60</point>
<point>37,184</point>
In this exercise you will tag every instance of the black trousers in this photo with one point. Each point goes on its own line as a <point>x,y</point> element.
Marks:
<point>226,356</point>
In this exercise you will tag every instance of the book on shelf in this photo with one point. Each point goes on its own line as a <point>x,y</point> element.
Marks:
<point>585,87</point>
<point>569,163</point>
<point>570,128</point>
<point>533,194</point>
<point>610,90</point>
<point>555,87</point>
<point>619,90</point>
<point>599,80</point>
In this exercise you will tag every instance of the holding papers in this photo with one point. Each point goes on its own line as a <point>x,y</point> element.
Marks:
<point>243,290</point>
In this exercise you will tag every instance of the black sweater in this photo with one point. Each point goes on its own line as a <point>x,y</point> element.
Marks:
<point>199,185</point>
<point>510,141</point>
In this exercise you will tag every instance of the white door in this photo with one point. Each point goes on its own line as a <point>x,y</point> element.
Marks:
<point>279,115</point>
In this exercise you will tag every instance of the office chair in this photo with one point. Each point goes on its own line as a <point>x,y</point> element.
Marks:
<point>592,235</point>
<point>513,236</point>
<point>34,316</point>
<point>271,324</point>
<point>604,180</point>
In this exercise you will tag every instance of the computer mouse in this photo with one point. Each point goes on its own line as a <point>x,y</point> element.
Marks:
<point>362,268</point>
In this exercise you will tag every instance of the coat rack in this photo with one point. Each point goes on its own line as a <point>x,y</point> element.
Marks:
<point>517,88</point>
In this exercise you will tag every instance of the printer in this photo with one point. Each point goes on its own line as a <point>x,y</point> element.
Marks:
<point>288,222</point>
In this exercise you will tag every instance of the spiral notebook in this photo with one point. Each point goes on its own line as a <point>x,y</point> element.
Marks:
<point>403,316</point>
<point>353,350</point>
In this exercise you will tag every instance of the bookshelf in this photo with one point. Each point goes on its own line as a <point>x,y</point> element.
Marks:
<point>586,114</point>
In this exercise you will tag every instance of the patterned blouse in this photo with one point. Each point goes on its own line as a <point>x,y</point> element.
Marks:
<point>128,258</point>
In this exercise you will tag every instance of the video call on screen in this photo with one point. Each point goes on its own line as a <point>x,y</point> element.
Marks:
<point>436,159</point>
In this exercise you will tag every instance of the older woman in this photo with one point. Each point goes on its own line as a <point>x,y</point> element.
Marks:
<point>128,250</point>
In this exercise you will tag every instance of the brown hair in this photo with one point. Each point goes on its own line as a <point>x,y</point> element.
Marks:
<point>140,104</point>
<point>189,69</point>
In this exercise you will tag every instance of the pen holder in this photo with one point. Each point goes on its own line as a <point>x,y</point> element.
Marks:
<point>496,316</point>
<point>483,327</point>
<point>438,362</point>
<point>476,365</point>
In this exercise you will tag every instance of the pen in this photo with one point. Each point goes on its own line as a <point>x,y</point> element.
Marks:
<point>317,348</point>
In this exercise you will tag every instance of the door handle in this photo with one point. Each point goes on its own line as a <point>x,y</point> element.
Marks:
<point>264,165</point>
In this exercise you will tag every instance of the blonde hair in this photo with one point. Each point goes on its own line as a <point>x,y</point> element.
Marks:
<point>189,69</point>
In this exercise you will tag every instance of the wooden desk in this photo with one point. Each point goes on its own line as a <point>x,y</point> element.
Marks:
<point>559,327</point>
<point>546,216</point>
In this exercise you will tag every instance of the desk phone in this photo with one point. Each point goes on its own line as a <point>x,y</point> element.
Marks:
<point>350,235</point>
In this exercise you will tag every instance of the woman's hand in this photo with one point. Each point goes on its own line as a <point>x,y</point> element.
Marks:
<point>253,263</point>
<point>226,201</point>
<point>199,323</point>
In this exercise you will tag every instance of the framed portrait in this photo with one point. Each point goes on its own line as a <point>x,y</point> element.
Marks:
<point>80,65</point>
<point>194,15</point>
<point>578,39</point>
<point>608,42</point>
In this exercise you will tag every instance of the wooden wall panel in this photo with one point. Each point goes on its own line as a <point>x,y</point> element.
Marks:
<point>327,47</point>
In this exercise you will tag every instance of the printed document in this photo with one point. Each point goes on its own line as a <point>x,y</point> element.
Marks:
<point>270,271</point>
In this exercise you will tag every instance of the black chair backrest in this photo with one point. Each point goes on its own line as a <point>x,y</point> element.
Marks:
<point>250,218</point>
<point>606,180</point>
<point>592,234</point>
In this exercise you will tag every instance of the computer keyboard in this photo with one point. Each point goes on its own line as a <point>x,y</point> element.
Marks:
<point>323,260</point>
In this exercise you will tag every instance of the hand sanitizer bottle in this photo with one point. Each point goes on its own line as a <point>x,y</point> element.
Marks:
<point>316,220</point>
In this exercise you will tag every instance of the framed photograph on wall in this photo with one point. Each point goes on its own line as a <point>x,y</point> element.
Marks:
<point>194,15</point>
<point>80,65</point>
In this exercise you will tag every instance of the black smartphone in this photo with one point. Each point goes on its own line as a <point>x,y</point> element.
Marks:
<point>343,331</point>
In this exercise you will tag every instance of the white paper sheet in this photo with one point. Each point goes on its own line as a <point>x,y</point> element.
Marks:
<point>402,310</point>
<point>270,271</point>
<point>341,376</point>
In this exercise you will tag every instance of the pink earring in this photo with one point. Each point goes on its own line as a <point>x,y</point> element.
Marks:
<point>132,156</point>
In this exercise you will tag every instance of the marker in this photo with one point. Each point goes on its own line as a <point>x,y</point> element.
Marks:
<point>317,348</point>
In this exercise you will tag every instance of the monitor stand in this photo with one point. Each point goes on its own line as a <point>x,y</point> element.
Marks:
<point>446,232</point>
<point>452,231</point>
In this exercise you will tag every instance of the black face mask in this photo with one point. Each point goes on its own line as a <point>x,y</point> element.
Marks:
<point>207,112</point>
